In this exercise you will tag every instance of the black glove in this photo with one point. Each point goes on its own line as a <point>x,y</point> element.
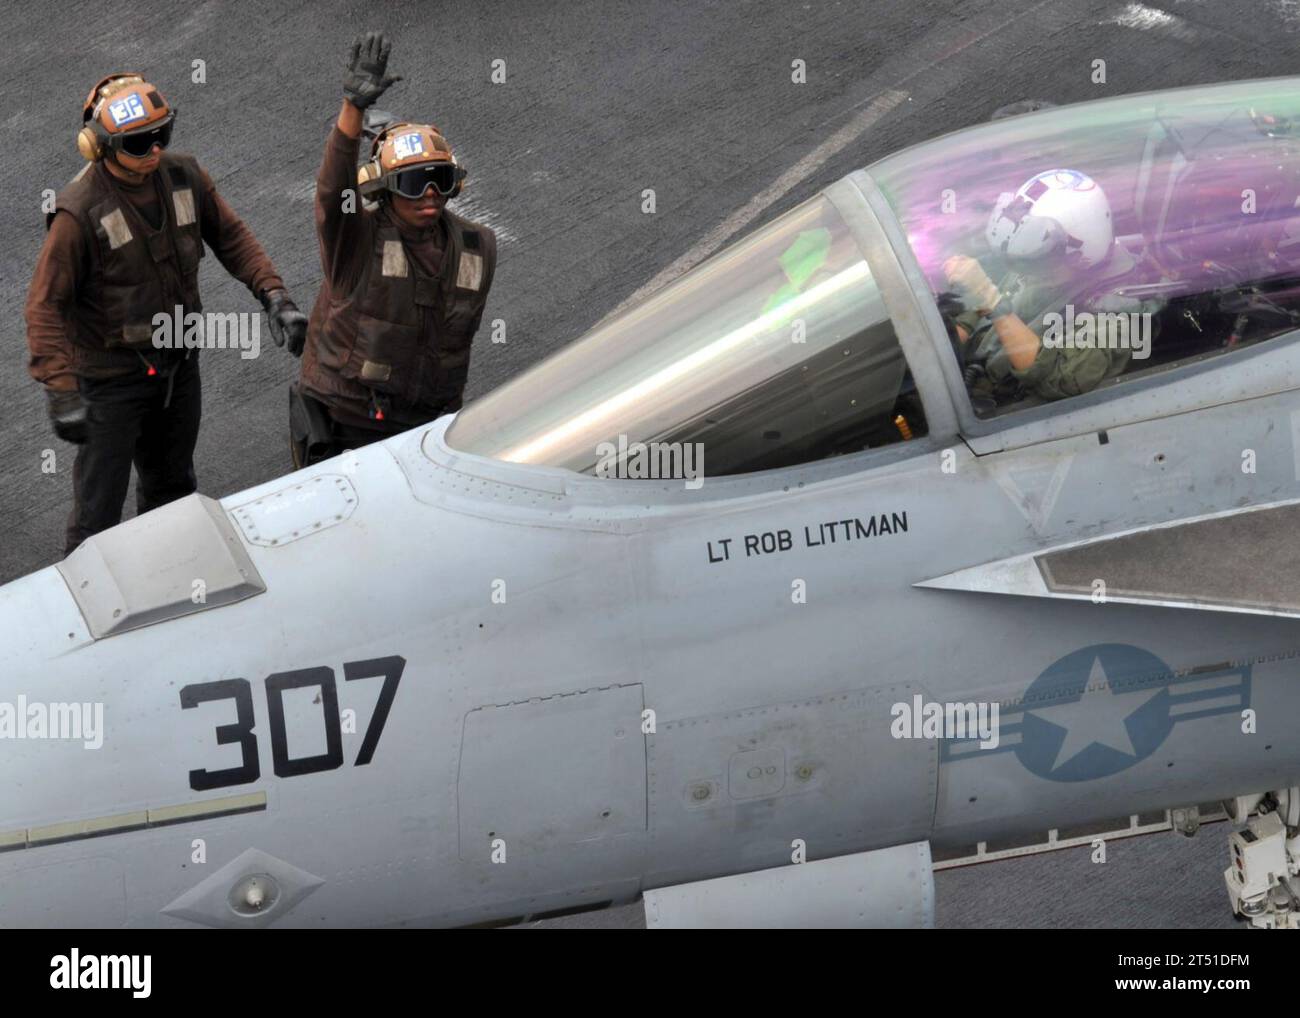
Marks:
<point>366,81</point>
<point>286,321</point>
<point>68,413</point>
<point>950,308</point>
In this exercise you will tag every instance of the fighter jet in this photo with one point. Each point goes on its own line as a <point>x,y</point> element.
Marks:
<point>948,516</point>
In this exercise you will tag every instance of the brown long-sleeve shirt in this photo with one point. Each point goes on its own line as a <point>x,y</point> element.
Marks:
<point>346,238</point>
<point>64,265</point>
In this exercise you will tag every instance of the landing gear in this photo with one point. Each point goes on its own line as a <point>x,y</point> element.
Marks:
<point>1263,878</point>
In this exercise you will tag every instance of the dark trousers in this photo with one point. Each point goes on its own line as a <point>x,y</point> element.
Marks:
<point>315,434</point>
<point>342,438</point>
<point>151,421</point>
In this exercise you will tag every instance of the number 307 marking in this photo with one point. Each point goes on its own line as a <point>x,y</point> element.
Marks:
<point>239,690</point>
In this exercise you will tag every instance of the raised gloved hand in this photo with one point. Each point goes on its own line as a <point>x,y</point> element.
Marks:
<point>968,278</point>
<point>366,79</point>
<point>68,412</point>
<point>288,324</point>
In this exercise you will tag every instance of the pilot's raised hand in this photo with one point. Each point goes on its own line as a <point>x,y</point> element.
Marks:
<point>972,283</point>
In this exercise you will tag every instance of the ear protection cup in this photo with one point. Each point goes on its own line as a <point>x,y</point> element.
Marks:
<point>370,175</point>
<point>88,145</point>
<point>368,179</point>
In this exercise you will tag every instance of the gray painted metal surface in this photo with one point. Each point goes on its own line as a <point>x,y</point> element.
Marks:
<point>177,560</point>
<point>890,888</point>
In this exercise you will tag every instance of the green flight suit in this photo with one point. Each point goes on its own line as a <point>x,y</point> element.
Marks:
<point>1058,372</point>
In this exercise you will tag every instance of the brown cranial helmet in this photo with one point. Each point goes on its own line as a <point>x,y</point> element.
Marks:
<point>401,146</point>
<point>119,105</point>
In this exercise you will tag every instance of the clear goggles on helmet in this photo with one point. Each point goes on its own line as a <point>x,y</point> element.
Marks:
<point>140,143</point>
<point>412,183</point>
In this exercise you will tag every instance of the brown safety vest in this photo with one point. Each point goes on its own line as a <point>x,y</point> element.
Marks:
<point>401,339</point>
<point>135,271</point>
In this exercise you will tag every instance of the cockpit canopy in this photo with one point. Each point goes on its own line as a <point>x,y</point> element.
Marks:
<point>780,350</point>
<point>1201,187</point>
<point>777,351</point>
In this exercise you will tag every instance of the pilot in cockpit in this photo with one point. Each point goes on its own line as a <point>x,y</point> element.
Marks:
<point>1064,266</point>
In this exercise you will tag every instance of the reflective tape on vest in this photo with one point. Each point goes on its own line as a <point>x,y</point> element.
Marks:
<point>469,273</point>
<point>114,225</point>
<point>374,372</point>
<point>394,259</point>
<point>184,204</point>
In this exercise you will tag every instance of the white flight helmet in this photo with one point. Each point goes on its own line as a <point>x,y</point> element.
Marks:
<point>1059,212</point>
